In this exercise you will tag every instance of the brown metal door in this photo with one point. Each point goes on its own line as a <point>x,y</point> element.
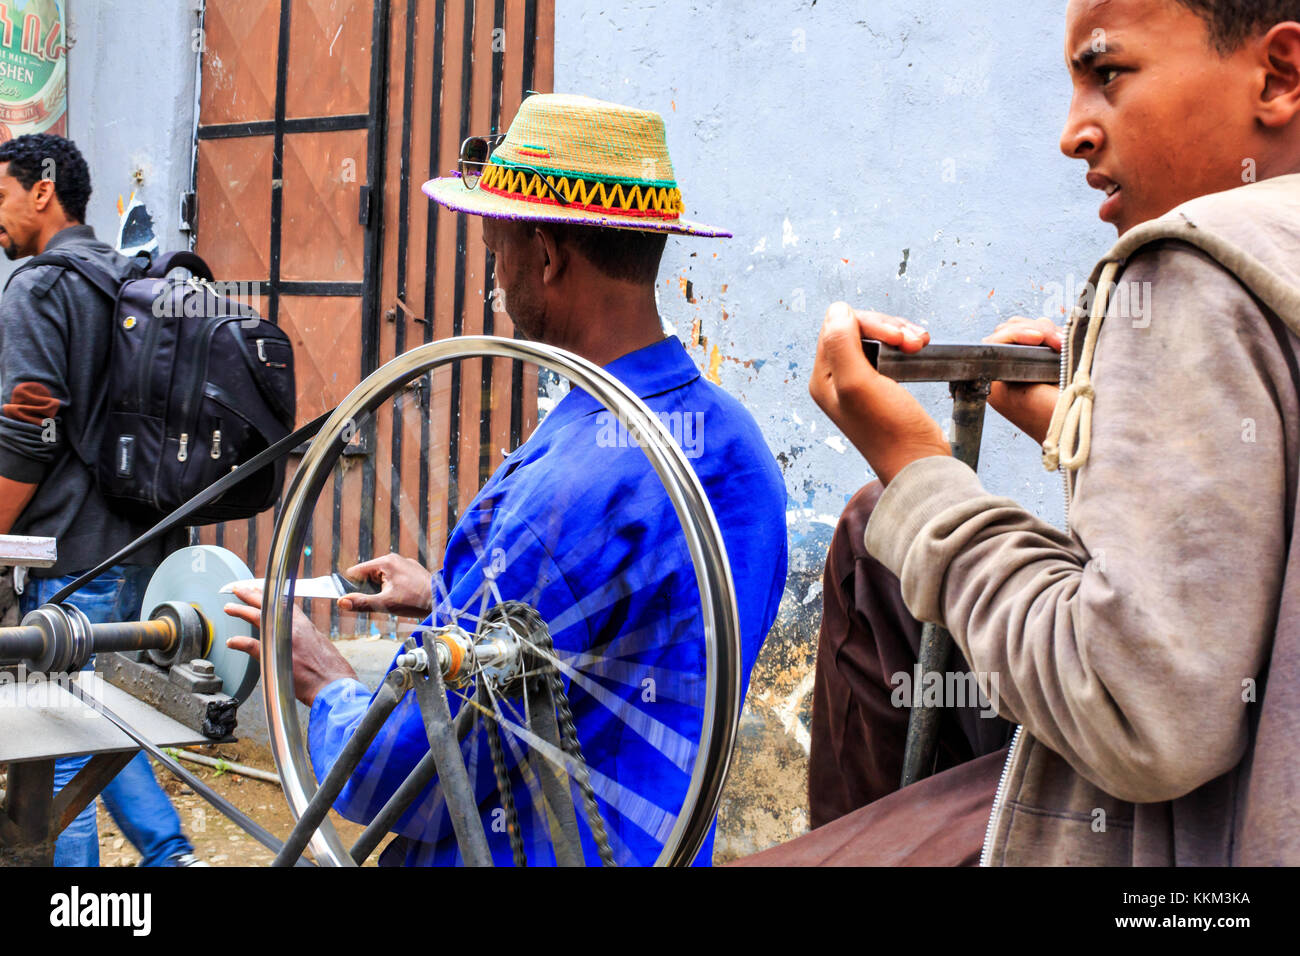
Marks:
<point>319,121</point>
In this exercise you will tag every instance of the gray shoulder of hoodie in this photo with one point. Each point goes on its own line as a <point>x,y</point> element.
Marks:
<point>1125,645</point>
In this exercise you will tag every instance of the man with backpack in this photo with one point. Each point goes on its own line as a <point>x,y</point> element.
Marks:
<point>54,337</point>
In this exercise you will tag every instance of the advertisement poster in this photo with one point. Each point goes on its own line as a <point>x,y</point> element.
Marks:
<point>33,67</point>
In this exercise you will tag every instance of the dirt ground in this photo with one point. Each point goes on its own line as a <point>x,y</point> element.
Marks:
<point>217,841</point>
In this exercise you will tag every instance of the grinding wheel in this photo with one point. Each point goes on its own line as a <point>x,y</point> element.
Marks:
<point>196,576</point>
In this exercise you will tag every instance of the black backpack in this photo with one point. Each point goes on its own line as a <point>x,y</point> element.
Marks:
<point>196,384</point>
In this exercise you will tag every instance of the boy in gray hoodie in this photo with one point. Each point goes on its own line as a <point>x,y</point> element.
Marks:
<point>1150,653</point>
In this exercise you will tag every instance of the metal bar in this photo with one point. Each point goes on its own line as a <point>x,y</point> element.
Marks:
<point>26,642</point>
<point>388,696</point>
<point>373,260</point>
<point>27,551</point>
<point>489,318</point>
<point>403,239</point>
<point>88,783</point>
<point>336,541</point>
<point>968,405</point>
<point>457,789</point>
<point>306,124</point>
<point>21,643</point>
<point>966,363</point>
<point>556,793</point>
<point>378,828</point>
<point>29,800</point>
<point>322,288</point>
<point>458,290</point>
<point>424,773</point>
<point>277,168</point>
<point>517,367</point>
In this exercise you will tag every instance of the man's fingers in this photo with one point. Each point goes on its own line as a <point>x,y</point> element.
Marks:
<point>252,615</point>
<point>891,330</point>
<point>840,349</point>
<point>249,645</point>
<point>368,569</point>
<point>359,602</point>
<point>249,594</point>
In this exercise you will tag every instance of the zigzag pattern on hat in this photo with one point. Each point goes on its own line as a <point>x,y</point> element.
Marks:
<point>633,199</point>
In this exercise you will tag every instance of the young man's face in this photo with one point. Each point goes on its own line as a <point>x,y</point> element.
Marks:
<point>1158,114</point>
<point>19,219</point>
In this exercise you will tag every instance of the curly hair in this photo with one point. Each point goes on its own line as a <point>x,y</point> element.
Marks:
<point>38,156</point>
<point>1233,22</point>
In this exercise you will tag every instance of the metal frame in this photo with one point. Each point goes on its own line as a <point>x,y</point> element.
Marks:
<point>703,538</point>
<point>969,370</point>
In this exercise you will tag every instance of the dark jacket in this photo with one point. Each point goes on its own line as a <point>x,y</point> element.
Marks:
<point>54,341</point>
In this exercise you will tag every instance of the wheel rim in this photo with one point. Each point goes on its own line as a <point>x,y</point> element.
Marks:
<point>721,705</point>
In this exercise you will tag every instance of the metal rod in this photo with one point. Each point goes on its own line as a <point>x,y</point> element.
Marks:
<point>158,634</point>
<point>968,405</point>
<point>227,766</point>
<point>424,774</point>
<point>386,700</point>
<point>21,643</point>
<point>557,796</point>
<point>966,363</point>
<point>457,790</point>
<point>378,828</point>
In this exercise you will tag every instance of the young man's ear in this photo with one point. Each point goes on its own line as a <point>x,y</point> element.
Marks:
<point>42,194</point>
<point>1280,99</point>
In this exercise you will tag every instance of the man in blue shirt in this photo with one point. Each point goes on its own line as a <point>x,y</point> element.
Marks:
<point>575,523</point>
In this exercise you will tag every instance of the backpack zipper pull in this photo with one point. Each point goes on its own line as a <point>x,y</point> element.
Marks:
<point>216,444</point>
<point>261,350</point>
<point>183,453</point>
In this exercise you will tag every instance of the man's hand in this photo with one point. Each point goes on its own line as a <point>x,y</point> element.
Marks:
<point>1028,407</point>
<point>879,416</point>
<point>316,662</point>
<point>406,587</point>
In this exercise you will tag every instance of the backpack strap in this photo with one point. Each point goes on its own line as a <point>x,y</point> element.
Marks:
<point>100,278</point>
<point>1069,435</point>
<point>180,259</point>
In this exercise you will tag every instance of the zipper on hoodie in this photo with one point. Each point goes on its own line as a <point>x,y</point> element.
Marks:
<point>999,795</point>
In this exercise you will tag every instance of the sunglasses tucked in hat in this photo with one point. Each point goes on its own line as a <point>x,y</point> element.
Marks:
<point>572,159</point>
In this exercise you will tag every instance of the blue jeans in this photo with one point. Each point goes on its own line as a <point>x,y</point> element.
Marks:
<point>134,799</point>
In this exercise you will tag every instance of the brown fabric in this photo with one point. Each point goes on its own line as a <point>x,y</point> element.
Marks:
<point>867,636</point>
<point>938,821</point>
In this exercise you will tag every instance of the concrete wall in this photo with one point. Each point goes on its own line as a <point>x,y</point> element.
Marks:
<point>901,156</point>
<point>131,72</point>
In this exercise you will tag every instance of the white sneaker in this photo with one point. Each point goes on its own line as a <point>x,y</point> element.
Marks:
<point>188,859</point>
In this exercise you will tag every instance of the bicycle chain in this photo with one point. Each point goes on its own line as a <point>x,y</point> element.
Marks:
<point>507,794</point>
<point>540,635</point>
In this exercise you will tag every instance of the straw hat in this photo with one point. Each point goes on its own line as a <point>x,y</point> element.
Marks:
<point>610,163</point>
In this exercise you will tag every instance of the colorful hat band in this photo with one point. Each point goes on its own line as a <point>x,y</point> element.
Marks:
<point>627,198</point>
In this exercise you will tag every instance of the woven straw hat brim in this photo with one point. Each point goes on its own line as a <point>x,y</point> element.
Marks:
<point>449,191</point>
